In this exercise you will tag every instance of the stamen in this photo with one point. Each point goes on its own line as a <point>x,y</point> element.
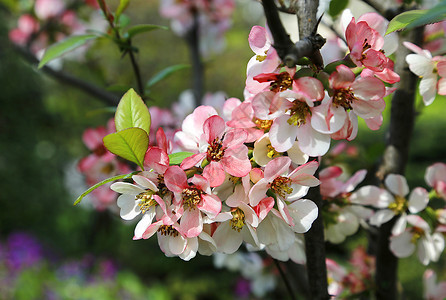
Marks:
<point>215,150</point>
<point>238,219</point>
<point>299,113</point>
<point>168,230</point>
<point>191,197</point>
<point>344,97</point>
<point>281,186</point>
<point>282,83</point>
<point>399,206</point>
<point>263,124</point>
<point>146,200</point>
<point>272,153</point>
<point>162,188</point>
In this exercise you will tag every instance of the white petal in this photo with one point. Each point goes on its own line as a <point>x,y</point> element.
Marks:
<point>381,217</point>
<point>303,212</point>
<point>400,225</point>
<point>401,245</point>
<point>177,244</point>
<point>145,221</point>
<point>126,188</point>
<point>420,65</point>
<point>129,208</point>
<point>418,200</point>
<point>397,184</point>
<point>428,89</point>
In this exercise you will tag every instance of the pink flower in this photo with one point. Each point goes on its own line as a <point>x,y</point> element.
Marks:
<point>436,178</point>
<point>224,150</point>
<point>288,186</point>
<point>428,68</point>
<point>432,289</point>
<point>265,59</point>
<point>27,25</point>
<point>191,199</point>
<point>366,47</point>
<point>46,9</point>
<point>93,140</point>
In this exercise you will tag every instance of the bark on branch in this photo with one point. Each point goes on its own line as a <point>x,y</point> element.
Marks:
<point>309,44</point>
<point>395,158</point>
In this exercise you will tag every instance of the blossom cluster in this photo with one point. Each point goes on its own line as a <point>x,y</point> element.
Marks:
<point>249,168</point>
<point>212,19</point>
<point>417,226</point>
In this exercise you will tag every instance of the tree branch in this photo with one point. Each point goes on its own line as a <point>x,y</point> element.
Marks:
<point>63,77</point>
<point>395,158</point>
<point>308,45</point>
<point>193,42</point>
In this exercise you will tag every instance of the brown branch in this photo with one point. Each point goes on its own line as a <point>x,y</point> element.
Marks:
<point>193,42</point>
<point>63,77</point>
<point>395,158</point>
<point>289,52</point>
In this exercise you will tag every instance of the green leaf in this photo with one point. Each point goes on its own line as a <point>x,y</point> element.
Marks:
<point>177,158</point>
<point>401,21</point>
<point>122,6</point>
<point>64,46</point>
<point>130,143</point>
<point>336,7</point>
<point>137,29</point>
<point>413,18</point>
<point>165,73</point>
<point>123,176</point>
<point>132,112</point>
<point>433,15</point>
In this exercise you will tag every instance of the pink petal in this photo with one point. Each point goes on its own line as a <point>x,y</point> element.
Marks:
<point>215,173</point>
<point>311,87</point>
<point>193,160</point>
<point>257,40</point>
<point>210,205</point>
<point>191,223</point>
<point>234,137</point>
<point>175,179</point>
<point>157,159</point>
<point>236,161</point>
<point>213,128</point>
<point>276,168</point>
<point>342,77</point>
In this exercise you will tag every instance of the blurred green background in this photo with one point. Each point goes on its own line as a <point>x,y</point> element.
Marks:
<point>41,124</point>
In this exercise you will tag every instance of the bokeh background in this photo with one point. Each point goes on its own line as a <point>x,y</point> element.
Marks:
<point>50,249</point>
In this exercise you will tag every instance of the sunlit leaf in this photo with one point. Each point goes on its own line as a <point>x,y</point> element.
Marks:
<point>130,143</point>
<point>177,158</point>
<point>92,188</point>
<point>165,73</point>
<point>64,46</point>
<point>137,29</point>
<point>132,112</point>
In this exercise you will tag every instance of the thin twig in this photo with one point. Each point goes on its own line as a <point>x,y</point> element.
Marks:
<point>63,77</point>
<point>285,280</point>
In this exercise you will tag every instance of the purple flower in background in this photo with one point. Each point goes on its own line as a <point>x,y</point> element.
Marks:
<point>22,251</point>
<point>242,288</point>
<point>107,269</point>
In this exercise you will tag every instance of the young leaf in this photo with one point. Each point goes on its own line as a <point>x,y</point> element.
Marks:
<point>123,176</point>
<point>336,7</point>
<point>130,143</point>
<point>64,46</point>
<point>137,29</point>
<point>132,112</point>
<point>165,73</point>
<point>177,158</point>
<point>122,6</point>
